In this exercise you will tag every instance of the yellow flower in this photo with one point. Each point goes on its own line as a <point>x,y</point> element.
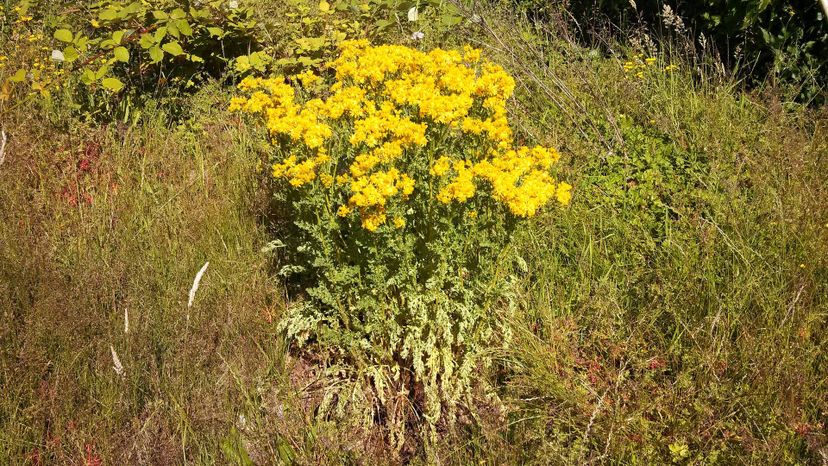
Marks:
<point>377,118</point>
<point>308,78</point>
<point>462,187</point>
<point>563,193</point>
<point>324,6</point>
<point>441,166</point>
<point>471,55</point>
<point>371,221</point>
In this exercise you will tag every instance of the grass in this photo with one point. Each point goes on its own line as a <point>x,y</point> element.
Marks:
<point>675,313</point>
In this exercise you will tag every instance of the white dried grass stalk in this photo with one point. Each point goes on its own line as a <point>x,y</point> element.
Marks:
<point>2,146</point>
<point>126,320</point>
<point>194,288</point>
<point>116,362</point>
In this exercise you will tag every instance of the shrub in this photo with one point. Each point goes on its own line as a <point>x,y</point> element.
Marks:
<point>309,35</point>
<point>404,186</point>
<point>133,50</point>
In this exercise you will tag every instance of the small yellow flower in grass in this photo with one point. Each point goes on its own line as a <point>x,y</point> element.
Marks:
<point>472,214</point>
<point>324,6</point>
<point>801,266</point>
<point>327,180</point>
<point>399,222</point>
<point>650,61</point>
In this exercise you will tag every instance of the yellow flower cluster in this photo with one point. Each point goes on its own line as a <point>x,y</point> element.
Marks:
<point>388,110</point>
<point>639,65</point>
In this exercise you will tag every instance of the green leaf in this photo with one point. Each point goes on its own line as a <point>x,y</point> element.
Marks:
<point>88,77</point>
<point>81,41</point>
<point>178,13</point>
<point>108,15</point>
<point>173,48</point>
<point>161,33</point>
<point>101,72</point>
<point>311,44</point>
<point>195,58</point>
<point>147,41</point>
<point>184,27</point>
<point>160,15</point>
<point>131,9</point>
<point>113,84</point>
<point>242,64</point>
<point>215,32</point>
<point>64,35</point>
<point>383,24</point>
<point>172,29</point>
<point>156,54</point>
<point>70,54</point>
<point>118,36</point>
<point>450,20</point>
<point>202,13</point>
<point>121,54</point>
<point>19,76</point>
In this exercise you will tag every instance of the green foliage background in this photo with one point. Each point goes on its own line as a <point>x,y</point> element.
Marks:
<point>784,39</point>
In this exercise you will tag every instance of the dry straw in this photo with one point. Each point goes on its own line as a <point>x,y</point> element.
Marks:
<point>194,288</point>
<point>2,146</point>
<point>116,362</point>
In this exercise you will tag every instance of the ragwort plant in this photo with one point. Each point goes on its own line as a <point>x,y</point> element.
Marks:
<point>404,184</point>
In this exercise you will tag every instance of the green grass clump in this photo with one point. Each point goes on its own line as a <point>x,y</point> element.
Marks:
<point>674,313</point>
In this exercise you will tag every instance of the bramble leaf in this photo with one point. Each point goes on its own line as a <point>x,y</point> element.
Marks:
<point>156,54</point>
<point>122,54</point>
<point>113,84</point>
<point>64,35</point>
<point>173,48</point>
